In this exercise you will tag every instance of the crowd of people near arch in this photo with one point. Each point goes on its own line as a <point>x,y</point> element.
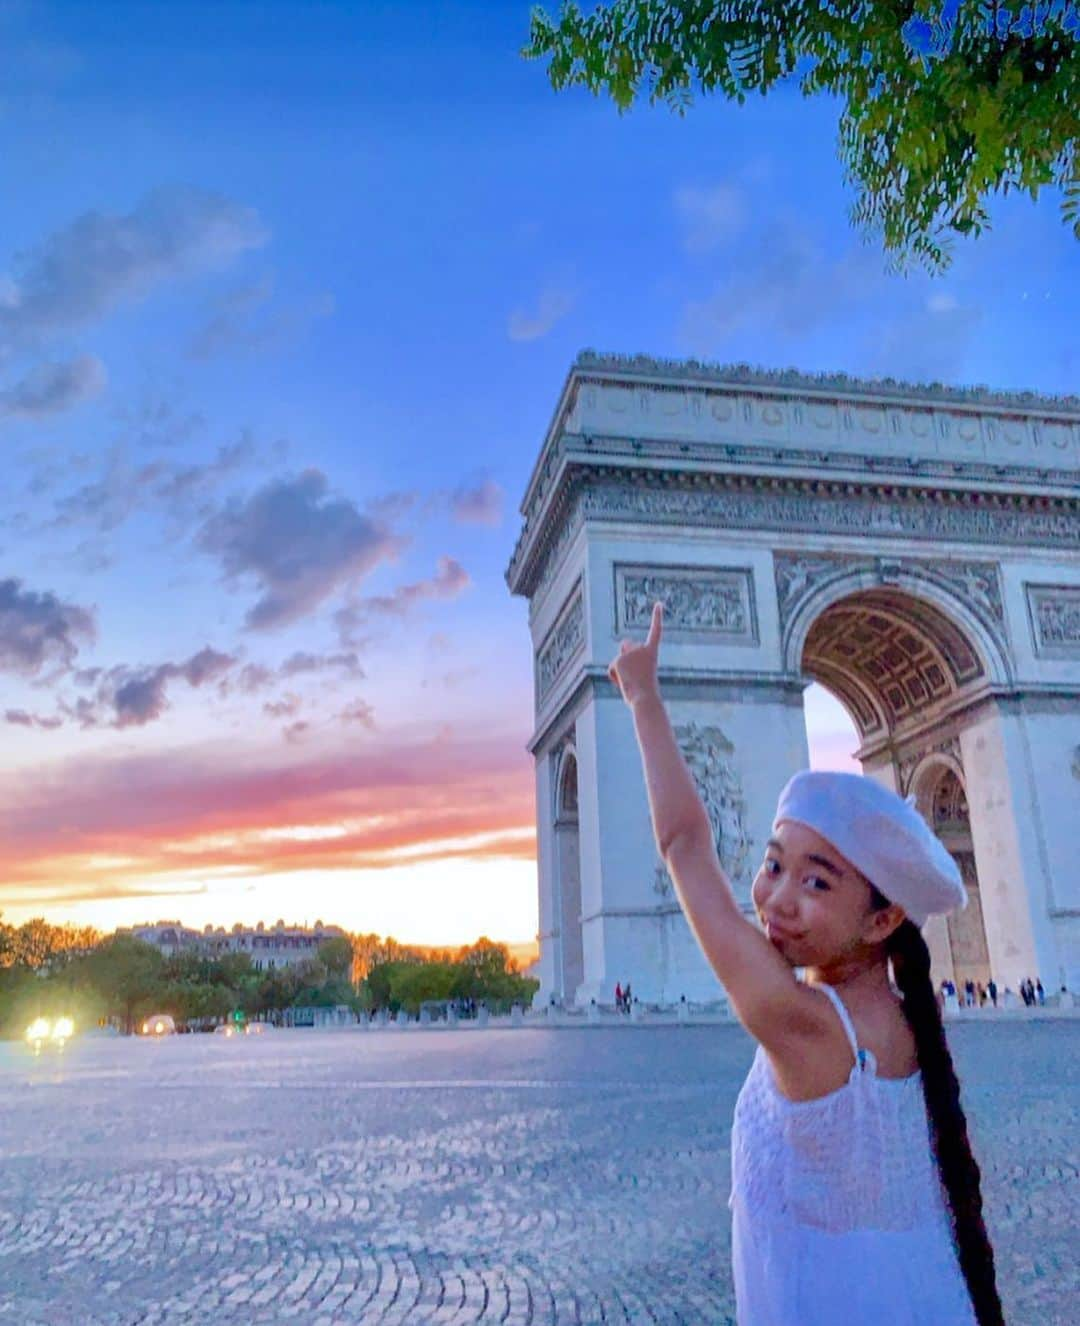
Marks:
<point>973,994</point>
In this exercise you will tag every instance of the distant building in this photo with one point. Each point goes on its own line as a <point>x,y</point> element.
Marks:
<point>168,937</point>
<point>269,948</point>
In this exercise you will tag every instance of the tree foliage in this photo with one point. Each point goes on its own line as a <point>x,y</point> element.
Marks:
<point>37,944</point>
<point>943,104</point>
<point>52,970</point>
<point>482,972</point>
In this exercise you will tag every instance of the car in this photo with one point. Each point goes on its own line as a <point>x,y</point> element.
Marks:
<point>159,1024</point>
<point>46,1031</point>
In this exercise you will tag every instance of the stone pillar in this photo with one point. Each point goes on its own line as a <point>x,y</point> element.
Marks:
<point>633,928</point>
<point>936,934</point>
<point>1010,857</point>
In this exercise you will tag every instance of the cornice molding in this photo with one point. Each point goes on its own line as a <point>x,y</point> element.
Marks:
<point>812,506</point>
<point>794,381</point>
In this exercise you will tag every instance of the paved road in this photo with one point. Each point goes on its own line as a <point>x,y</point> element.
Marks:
<point>517,1176</point>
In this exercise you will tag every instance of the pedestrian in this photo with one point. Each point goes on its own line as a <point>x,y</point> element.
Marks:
<point>969,993</point>
<point>626,995</point>
<point>618,997</point>
<point>991,989</point>
<point>1040,993</point>
<point>839,1211</point>
<point>980,994</point>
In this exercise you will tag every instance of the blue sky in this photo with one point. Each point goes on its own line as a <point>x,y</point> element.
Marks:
<point>318,270</point>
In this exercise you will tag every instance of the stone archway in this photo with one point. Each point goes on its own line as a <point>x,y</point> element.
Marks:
<point>571,964</point>
<point>903,666</point>
<point>916,549</point>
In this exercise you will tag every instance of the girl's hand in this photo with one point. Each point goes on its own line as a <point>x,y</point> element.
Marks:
<point>634,668</point>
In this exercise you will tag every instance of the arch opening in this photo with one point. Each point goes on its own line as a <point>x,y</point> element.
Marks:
<point>892,659</point>
<point>900,666</point>
<point>571,962</point>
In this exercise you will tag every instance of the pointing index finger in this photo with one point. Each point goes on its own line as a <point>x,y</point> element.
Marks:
<point>656,626</point>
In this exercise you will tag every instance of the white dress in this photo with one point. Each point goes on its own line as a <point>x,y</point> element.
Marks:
<point>838,1213</point>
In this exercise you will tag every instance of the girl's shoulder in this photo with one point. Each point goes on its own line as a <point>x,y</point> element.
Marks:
<point>882,1028</point>
<point>814,1067</point>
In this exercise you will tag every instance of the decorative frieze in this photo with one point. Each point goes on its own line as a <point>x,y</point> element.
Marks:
<point>561,644</point>
<point>708,753</point>
<point>862,512</point>
<point>1054,613</point>
<point>700,602</point>
<point>978,584</point>
<point>798,507</point>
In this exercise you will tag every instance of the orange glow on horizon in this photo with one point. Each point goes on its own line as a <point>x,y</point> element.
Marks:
<point>220,842</point>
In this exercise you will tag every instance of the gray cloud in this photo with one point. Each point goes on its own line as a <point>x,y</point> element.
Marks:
<point>479,505</point>
<point>244,320</point>
<point>78,273</point>
<point>255,677</point>
<point>358,712</point>
<point>108,501</point>
<point>298,544</point>
<point>346,662</point>
<point>54,387</point>
<point>185,491</point>
<point>21,718</point>
<point>450,580</point>
<point>287,707</point>
<point>38,630</point>
<point>186,483</point>
<point>128,696</point>
<point>554,304</point>
<point>392,506</point>
<point>252,677</point>
<point>155,421</point>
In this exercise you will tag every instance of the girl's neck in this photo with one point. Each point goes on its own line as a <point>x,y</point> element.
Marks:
<point>857,974</point>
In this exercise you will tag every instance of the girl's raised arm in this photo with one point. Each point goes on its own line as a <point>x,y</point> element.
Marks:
<point>769,1001</point>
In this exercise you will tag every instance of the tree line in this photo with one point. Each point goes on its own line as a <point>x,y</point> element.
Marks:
<point>118,980</point>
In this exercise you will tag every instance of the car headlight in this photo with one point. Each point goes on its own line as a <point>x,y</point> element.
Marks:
<point>63,1029</point>
<point>38,1030</point>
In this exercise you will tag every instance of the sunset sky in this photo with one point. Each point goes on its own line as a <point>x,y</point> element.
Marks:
<point>287,295</point>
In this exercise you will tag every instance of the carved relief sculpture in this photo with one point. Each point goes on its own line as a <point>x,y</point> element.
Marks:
<point>698,601</point>
<point>708,753</point>
<point>1054,611</point>
<point>563,641</point>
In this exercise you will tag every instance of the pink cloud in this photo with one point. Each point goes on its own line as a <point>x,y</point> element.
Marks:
<point>122,826</point>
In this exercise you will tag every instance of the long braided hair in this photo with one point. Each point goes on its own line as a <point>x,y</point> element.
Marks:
<point>948,1127</point>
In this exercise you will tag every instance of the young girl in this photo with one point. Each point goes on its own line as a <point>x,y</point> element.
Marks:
<point>839,1212</point>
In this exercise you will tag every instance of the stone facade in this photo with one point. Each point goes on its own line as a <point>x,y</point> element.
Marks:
<point>916,550</point>
<point>269,947</point>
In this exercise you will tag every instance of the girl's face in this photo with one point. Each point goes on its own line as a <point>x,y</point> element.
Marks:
<point>813,904</point>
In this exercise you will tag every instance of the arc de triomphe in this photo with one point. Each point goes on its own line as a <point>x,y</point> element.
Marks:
<point>916,550</point>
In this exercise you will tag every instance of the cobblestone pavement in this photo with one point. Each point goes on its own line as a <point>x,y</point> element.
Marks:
<point>518,1176</point>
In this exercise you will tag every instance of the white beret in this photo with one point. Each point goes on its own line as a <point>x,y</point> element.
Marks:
<point>884,837</point>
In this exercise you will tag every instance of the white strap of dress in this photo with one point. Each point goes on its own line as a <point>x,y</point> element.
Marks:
<point>845,1018</point>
